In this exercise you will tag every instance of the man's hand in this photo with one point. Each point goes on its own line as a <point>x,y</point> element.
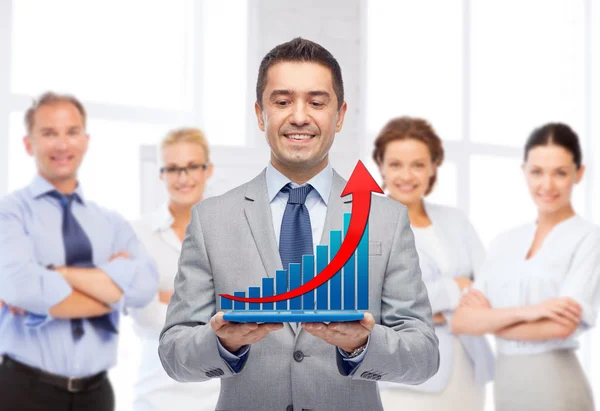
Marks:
<point>234,336</point>
<point>125,254</point>
<point>12,309</point>
<point>475,299</point>
<point>346,335</point>
<point>165,296</point>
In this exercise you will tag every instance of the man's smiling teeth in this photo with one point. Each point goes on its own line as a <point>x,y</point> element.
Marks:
<point>299,136</point>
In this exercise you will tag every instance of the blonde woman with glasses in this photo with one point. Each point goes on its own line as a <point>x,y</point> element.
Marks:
<point>185,168</point>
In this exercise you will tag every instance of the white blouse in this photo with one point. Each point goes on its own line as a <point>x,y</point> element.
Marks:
<point>428,241</point>
<point>566,265</point>
<point>449,248</point>
<point>154,390</point>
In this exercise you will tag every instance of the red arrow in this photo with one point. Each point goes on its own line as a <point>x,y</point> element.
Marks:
<point>360,185</point>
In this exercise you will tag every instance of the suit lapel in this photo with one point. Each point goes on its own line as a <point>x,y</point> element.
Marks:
<point>260,220</point>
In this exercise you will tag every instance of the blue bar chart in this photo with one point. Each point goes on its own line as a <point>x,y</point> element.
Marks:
<point>338,299</point>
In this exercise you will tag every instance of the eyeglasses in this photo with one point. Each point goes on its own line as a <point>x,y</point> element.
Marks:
<point>174,171</point>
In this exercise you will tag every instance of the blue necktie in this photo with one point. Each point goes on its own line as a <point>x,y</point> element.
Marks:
<point>295,238</point>
<point>78,253</point>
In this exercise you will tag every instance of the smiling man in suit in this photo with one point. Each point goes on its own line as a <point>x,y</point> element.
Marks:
<point>236,239</point>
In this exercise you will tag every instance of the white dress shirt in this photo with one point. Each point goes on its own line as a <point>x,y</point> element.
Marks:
<point>154,390</point>
<point>567,264</point>
<point>316,200</point>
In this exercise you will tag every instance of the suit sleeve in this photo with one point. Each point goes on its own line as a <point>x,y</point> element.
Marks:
<point>403,347</point>
<point>188,347</point>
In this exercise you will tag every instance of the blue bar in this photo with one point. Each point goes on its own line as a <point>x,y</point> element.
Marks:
<point>281,284</point>
<point>254,292</point>
<point>322,290</point>
<point>239,305</point>
<point>226,303</point>
<point>268,288</point>
<point>362,264</point>
<point>335,284</point>
<point>349,273</point>
<point>308,273</point>
<point>295,282</point>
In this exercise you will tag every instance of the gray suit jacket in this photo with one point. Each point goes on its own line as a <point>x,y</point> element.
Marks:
<point>230,245</point>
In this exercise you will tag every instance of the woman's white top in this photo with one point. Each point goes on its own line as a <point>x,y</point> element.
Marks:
<point>154,390</point>
<point>567,264</point>
<point>428,241</point>
<point>450,248</point>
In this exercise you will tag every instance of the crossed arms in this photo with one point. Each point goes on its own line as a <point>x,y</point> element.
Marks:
<point>554,318</point>
<point>129,278</point>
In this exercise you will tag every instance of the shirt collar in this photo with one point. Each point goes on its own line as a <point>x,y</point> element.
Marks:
<point>321,182</point>
<point>40,187</point>
<point>161,218</point>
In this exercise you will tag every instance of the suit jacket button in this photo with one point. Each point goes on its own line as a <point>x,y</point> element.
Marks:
<point>219,372</point>
<point>210,374</point>
<point>298,356</point>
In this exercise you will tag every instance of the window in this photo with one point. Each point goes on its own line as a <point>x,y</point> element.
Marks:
<point>485,74</point>
<point>527,66</point>
<point>225,72</point>
<point>132,53</point>
<point>414,64</point>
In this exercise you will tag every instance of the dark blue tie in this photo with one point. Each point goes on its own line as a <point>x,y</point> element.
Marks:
<point>78,253</point>
<point>295,238</point>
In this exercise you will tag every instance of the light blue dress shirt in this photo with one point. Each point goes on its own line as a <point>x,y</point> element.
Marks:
<point>30,240</point>
<point>316,203</point>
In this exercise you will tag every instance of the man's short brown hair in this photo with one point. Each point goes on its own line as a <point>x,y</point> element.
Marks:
<point>50,98</point>
<point>300,50</point>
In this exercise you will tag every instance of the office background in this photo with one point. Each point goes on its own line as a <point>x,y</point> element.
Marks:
<point>484,72</point>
